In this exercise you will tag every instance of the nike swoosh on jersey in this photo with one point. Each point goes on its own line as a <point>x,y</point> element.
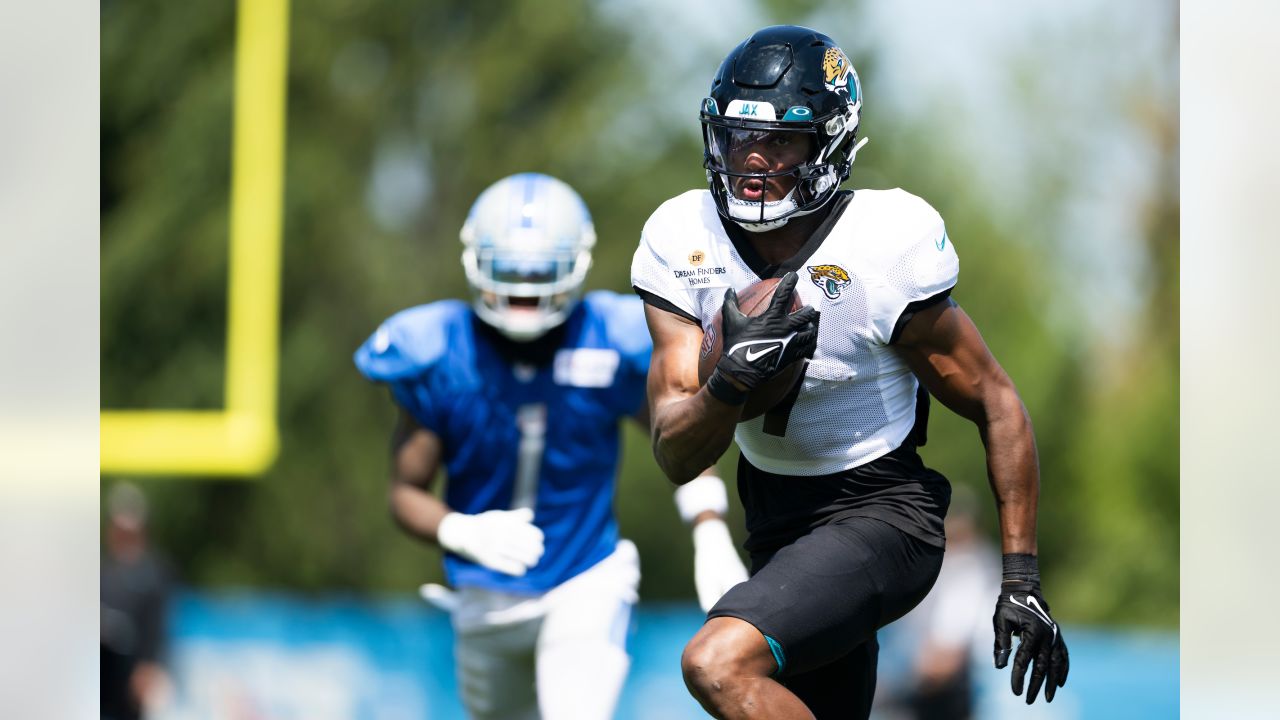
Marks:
<point>941,242</point>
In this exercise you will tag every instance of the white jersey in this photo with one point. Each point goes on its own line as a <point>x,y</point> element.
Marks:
<point>886,250</point>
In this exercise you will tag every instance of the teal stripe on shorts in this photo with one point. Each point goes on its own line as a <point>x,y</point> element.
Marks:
<point>778,657</point>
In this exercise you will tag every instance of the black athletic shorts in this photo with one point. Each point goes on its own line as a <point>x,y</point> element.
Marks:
<point>896,488</point>
<point>819,601</point>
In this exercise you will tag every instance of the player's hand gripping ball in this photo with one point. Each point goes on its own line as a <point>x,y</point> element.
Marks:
<point>768,352</point>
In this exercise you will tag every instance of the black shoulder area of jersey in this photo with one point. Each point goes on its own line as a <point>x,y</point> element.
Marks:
<point>915,307</point>
<point>664,304</point>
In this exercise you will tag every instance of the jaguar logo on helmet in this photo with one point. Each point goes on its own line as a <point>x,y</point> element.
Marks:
<point>833,279</point>
<point>836,69</point>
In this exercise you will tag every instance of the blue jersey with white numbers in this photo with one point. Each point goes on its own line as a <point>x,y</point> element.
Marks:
<point>515,434</point>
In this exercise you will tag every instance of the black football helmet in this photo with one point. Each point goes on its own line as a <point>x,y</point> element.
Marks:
<point>783,79</point>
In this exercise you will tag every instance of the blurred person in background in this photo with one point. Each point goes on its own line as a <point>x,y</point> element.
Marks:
<point>844,521</point>
<point>519,397</point>
<point>135,590</point>
<point>947,632</point>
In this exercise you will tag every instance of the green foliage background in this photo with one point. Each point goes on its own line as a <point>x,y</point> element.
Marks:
<point>475,91</point>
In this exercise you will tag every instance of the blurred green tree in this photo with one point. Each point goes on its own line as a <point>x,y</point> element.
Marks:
<point>399,114</point>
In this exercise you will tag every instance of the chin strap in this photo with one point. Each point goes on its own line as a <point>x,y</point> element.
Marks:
<point>748,213</point>
<point>854,152</point>
<point>768,225</point>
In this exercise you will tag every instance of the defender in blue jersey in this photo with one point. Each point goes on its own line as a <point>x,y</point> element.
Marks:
<point>519,396</point>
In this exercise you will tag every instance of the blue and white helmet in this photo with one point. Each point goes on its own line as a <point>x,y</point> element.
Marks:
<point>526,250</point>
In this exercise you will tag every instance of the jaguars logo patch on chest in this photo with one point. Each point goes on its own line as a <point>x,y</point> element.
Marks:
<point>832,279</point>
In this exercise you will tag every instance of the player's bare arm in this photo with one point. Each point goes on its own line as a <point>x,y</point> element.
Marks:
<point>690,428</point>
<point>703,503</point>
<point>944,349</point>
<point>415,462</point>
<point>641,418</point>
<point>502,540</point>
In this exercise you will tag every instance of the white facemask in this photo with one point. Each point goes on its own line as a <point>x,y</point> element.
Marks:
<point>747,212</point>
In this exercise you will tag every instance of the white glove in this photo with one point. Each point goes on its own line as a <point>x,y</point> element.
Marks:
<point>703,493</point>
<point>716,565</point>
<point>502,540</point>
<point>439,596</point>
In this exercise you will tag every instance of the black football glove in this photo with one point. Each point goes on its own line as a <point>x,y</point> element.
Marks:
<point>1021,610</point>
<point>756,348</point>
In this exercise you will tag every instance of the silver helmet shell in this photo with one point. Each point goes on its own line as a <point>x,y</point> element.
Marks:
<point>526,250</point>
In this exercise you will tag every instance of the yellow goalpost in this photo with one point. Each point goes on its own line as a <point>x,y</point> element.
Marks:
<point>242,439</point>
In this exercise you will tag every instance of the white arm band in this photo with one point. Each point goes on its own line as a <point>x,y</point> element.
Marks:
<point>703,493</point>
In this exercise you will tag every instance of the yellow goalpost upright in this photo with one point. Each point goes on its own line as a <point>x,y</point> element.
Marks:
<point>242,439</point>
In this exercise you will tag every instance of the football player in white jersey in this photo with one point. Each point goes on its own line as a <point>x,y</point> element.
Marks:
<point>844,521</point>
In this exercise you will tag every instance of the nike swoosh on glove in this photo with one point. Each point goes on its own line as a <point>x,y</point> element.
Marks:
<point>756,348</point>
<point>1021,610</point>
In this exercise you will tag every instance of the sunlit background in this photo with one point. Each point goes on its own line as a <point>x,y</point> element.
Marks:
<point>1047,135</point>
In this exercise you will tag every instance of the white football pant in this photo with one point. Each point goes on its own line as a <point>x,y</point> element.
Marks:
<point>558,656</point>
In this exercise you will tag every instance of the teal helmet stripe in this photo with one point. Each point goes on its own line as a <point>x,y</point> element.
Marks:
<point>797,113</point>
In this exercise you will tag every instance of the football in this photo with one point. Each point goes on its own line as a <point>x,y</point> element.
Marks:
<point>752,301</point>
